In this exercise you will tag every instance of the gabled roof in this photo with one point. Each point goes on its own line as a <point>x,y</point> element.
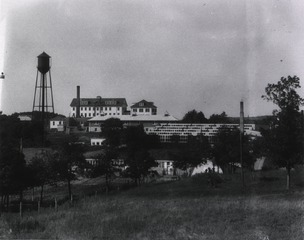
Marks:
<point>58,118</point>
<point>102,102</point>
<point>144,104</point>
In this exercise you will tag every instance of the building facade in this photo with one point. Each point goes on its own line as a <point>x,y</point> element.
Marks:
<point>170,132</point>
<point>144,107</point>
<point>58,123</point>
<point>91,107</point>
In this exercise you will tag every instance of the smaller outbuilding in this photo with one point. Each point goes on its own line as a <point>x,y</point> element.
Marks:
<point>97,141</point>
<point>58,123</point>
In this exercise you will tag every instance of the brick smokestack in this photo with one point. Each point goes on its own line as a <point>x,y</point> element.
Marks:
<point>78,102</point>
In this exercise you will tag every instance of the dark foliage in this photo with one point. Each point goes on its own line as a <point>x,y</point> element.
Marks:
<point>194,117</point>
<point>138,159</point>
<point>226,150</point>
<point>219,118</point>
<point>112,131</point>
<point>284,140</point>
<point>196,151</point>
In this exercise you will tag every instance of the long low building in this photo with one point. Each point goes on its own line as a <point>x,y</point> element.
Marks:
<point>96,123</point>
<point>169,132</point>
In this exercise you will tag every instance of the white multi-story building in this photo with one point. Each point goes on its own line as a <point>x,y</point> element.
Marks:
<point>144,108</point>
<point>91,107</point>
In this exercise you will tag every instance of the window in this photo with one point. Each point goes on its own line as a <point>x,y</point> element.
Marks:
<point>118,109</point>
<point>113,113</point>
<point>141,110</point>
<point>106,108</point>
<point>73,109</point>
<point>89,109</point>
<point>109,108</point>
<point>134,110</point>
<point>85,108</point>
<point>59,122</point>
<point>147,110</point>
<point>81,108</point>
<point>110,114</point>
<point>89,114</point>
<point>141,104</point>
<point>53,123</point>
<point>85,114</point>
<point>100,108</point>
<point>95,129</point>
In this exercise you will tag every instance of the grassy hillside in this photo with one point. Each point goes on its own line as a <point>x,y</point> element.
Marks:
<point>185,209</point>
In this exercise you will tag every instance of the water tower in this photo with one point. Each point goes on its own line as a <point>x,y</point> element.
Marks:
<point>43,96</point>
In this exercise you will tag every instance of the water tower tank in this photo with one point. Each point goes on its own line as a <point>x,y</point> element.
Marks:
<point>43,63</point>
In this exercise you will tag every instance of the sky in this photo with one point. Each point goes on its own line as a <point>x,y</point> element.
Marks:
<point>206,55</point>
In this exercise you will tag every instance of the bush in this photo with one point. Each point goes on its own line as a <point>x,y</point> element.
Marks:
<point>212,179</point>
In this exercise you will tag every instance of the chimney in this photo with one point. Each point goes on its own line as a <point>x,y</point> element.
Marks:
<point>78,103</point>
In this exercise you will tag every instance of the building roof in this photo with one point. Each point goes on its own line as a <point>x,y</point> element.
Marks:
<point>44,55</point>
<point>144,104</point>
<point>24,118</point>
<point>100,102</point>
<point>92,154</point>
<point>136,118</point>
<point>58,118</point>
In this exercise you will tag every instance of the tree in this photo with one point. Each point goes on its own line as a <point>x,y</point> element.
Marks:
<point>112,131</point>
<point>284,139</point>
<point>226,150</point>
<point>106,165</point>
<point>219,118</point>
<point>68,162</point>
<point>138,160</point>
<point>41,171</point>
<point>194,117</point>
<point>196,151</point>
<point>12,171</point>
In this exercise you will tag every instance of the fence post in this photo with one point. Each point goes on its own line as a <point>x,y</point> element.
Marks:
<point>56,206</point>
<point>20,209</point>
<point>38,206</point>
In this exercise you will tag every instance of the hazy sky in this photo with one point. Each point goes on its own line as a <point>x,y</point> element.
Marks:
<point>182,55</point>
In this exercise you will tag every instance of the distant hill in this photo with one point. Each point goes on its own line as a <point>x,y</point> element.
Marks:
<point>253,120</point>
<point>36,114</point>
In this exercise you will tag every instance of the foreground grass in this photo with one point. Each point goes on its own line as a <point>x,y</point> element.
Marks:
<point>188,209</point>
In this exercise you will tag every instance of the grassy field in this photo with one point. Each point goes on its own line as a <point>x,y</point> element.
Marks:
<point>185,209</point>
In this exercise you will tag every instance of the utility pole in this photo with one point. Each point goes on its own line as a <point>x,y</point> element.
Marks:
<point>241,140</point>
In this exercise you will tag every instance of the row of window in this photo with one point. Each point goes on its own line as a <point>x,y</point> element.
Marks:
<point>97,108</point>
<point>59,123</point>
<point>93,114</point>
<point>141,110</point>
